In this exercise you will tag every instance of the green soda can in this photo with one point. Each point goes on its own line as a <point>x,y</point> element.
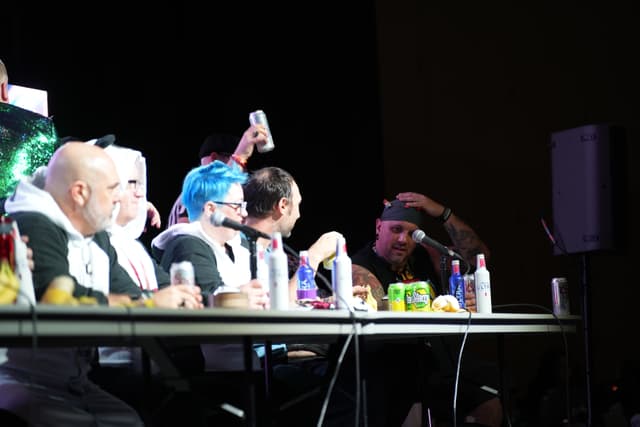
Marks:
<point>396,297</point>
<point>422,296</point>
<point>408,297</point>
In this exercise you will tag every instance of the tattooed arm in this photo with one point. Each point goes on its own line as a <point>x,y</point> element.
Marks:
<point>464,239</point>
<point>363,277</point>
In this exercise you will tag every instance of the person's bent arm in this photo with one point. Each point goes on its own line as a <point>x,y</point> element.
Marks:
<point>363,278</point>
<point>255,134</point>
<point>464,238</point>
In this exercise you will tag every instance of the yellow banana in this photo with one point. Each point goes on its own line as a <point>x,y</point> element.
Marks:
<point>59,292</point>
<point>7,295</point>
<point>446,303</point>
<point>58,297</point>
<point>85,300</point>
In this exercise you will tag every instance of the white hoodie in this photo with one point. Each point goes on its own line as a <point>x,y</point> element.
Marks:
<point>88,263</point>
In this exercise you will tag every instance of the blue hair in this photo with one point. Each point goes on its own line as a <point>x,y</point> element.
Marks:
<point>208,183</point>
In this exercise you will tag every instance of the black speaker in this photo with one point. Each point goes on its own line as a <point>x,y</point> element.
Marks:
<point>588,177</point>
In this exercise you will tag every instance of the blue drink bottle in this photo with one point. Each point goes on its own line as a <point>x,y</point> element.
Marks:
<point>456,283</point>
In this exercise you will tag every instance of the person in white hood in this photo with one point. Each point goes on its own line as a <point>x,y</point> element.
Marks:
<point>120,368</point>
<point>129,220</point>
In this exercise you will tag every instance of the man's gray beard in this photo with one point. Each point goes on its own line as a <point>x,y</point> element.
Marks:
<point>93,216</point>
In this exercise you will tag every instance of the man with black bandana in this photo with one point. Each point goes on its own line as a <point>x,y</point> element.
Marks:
<point>395,257</point>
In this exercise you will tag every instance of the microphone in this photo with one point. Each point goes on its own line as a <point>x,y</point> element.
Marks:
<point>220,220</point>
<point>420,236</point>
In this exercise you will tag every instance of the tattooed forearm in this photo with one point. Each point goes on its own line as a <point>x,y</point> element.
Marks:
<point>465,240</point>
<point>363,277</point>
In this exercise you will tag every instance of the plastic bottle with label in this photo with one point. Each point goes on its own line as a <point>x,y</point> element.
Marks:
<point>278,274</point>
<point>342,281</point>
<point>483,285</point>
<point>306,289</point>
<point>456,283</point>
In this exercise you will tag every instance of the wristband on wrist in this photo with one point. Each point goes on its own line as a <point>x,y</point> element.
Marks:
<point>239,161</point>
<point>445,215</point>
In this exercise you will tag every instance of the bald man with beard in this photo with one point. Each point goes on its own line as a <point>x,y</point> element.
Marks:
<point>66,222</point>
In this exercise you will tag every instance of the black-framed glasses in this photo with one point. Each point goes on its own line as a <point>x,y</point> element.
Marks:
<point>134,184</point>
<point>235,205</point>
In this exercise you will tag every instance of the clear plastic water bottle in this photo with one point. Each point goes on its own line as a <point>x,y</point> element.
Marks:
<point>306,289</point>
<point>483,285</point>
<point>342,281</point>
<point>456,283</point>
<point>278,274</point>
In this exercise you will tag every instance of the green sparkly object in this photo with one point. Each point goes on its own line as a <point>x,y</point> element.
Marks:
<point>27,141</point>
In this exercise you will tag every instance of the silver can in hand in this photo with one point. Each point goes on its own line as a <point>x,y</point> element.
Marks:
<point>258,117</point>
<point>182,273</point>
<point>560,296</point>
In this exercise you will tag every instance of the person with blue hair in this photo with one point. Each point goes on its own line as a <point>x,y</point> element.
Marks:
<point>220,262</point>
<point>218,256</point>
<point>216,253</point>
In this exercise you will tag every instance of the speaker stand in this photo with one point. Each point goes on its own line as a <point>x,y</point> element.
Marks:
<point>586,327</point>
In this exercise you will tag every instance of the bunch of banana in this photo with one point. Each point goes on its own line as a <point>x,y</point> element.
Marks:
<point>60,292</point>
<point>9,284</point>
<point>446,303</point>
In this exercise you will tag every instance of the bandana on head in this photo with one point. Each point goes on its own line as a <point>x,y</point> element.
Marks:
<point>396,211</point>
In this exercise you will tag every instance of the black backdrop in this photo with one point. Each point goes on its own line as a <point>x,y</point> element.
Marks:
<point>464,98</point>
<point>163,78</point>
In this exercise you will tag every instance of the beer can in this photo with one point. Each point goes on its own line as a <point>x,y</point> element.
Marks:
<point>470,292</point>
<point>396,297</point>
<point>560,296</point>
<point>408,297</point>
<point>182,273</point>
<point>422,296</point>
<point>258,117</point>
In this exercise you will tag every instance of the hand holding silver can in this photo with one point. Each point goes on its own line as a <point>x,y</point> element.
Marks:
<point>182,273</point>
<point>259,117</point>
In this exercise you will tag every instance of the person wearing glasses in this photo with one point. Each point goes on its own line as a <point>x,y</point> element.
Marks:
<point>228,149</point>
<point>219,260</point>
<point>217,255</point>
<point>127,226</point>
<point>120,368</point>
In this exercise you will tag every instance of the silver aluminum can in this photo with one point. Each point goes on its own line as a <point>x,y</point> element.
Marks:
<point>182,273</point>
<point>259,117</point>
<point>470,293</point>
<point>560,296</point>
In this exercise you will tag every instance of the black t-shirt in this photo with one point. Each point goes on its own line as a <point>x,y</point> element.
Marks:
<point>419,267</point>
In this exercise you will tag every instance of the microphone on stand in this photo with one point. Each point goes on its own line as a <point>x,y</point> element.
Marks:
<point>420,236</point>
<point>220,220</point>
